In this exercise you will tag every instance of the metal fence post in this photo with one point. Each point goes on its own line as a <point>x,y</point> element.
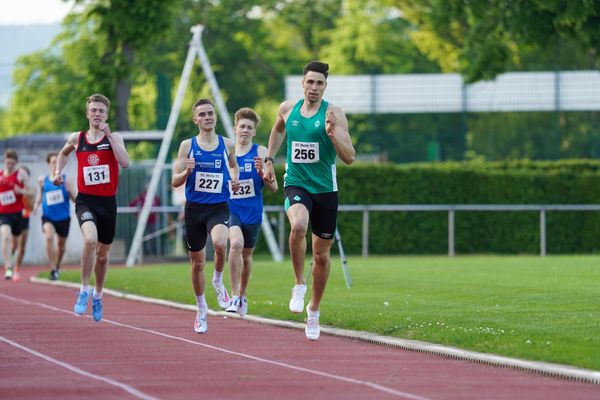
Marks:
<point>451,232</point>
<point>542,232</point>
<point>281,224</point>
<point>365,234</point>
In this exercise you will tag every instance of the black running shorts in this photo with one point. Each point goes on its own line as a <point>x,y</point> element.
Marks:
<point>249,231</point>
<point>102,211</point>
<point>61,227</point>
<point>322,209</point>
<point>200,219</point>
<point>14,220</point>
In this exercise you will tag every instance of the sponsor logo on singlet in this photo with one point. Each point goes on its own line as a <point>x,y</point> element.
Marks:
<point>93,159</point>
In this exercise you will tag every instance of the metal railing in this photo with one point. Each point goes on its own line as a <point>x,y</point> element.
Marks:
<point>450,208</point>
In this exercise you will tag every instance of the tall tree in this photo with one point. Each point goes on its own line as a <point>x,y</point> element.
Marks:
<point>128,27</point>
<point>484,38</point>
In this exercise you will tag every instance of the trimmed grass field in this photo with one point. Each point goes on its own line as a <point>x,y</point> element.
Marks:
<point>530,307</point>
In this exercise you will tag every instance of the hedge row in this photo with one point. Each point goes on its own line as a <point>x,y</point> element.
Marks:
<point>560,182</point>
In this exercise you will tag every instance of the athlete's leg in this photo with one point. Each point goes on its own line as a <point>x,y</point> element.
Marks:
<point>21,242</point>
<point>60,250</point>
<point>101,265</point>
<point>298,217</point>
<point>88,255</point>
<point>14,244</point>
<point>320,270</point>
<point>247,270</point>
<point>236,246</point>
<point>7,242</point>
<point>197,261</point>
<point>49,238</point>
<point>218,235</point>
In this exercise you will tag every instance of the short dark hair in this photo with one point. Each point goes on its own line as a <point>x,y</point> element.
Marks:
<point>317,66</point>
<point>247,113</point>
<point>50,155</point>
<point>97,97</point>
<point>10,153</point>
<point>202,102</point>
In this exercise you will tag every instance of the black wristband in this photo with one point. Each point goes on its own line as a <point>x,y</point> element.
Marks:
<point>270,159</point>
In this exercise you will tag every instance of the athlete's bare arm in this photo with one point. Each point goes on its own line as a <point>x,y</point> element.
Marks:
<point>234,169</point>
<point>27,189</point>
<point>184,166</point>
<point>71,190</point>
<point>63,157</point>
<point>336,126</point>
<point>276,138</point>
<point>259,164</point>
<point>118,145</point>
<point>38,198</point>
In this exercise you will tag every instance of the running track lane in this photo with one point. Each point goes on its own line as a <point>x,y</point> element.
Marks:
<point>145,351</point>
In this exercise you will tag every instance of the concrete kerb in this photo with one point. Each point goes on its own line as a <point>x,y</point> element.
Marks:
<point>548,369</point>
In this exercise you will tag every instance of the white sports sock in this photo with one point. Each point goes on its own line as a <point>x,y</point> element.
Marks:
<point>85,288</point>
<point>96,295</point>
<point>218,277</point>
<point>201,303</point>
<point>311,313</point>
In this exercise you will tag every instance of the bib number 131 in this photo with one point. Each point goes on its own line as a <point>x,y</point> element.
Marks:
<point>96,175</point>
<point>305,152</point>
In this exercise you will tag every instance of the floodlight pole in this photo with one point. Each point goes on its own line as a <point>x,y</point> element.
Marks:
<point>195,48</point>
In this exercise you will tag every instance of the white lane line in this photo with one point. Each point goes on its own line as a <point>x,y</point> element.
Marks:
<point>371,385</point>
<point>538,367</point>
<point>131,390</point>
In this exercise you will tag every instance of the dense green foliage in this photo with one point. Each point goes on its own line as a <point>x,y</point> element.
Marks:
<point>484,38</point>
<point>522,182</point>
<point>536,308</point>
<point>133,51</point>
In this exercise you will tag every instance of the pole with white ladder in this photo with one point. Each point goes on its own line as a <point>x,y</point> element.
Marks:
<point>195,49</point>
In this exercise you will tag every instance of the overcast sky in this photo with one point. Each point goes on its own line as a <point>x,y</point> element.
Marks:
<point>25,12</point>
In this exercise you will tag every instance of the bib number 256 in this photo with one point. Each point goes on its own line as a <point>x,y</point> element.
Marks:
<point>305,152</point>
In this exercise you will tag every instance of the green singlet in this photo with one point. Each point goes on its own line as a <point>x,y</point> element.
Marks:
<point>310,161</point>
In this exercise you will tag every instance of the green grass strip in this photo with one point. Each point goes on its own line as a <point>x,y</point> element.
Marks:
<point>529,307</point>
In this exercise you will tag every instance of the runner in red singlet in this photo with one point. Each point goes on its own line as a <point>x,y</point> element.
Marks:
<point>99,154</point>
<point>13,182</point>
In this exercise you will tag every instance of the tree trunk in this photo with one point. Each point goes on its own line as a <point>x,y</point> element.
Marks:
<point>123,91</point>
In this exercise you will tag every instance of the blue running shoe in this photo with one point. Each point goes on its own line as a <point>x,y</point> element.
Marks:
<point>97,309</point>
<point>81,303</point>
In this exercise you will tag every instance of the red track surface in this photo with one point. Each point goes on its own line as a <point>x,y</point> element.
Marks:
<point>149,351</point>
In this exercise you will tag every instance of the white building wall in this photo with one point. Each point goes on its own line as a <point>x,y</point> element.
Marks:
<point>446,93</point>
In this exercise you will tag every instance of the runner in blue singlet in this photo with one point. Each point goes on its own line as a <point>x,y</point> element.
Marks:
<point>245,207</point>
<point>207,166</point>
<point>56,215</point>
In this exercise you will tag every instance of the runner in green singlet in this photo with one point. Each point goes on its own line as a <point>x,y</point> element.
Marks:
<point>317,132</point>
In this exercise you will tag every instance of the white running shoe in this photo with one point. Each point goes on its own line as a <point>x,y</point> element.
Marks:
<point>200,324</point>
<point>8,274</point>
<point>297,300</point>
<point>242,306</point>
<point>222,295</point>
<point>233,307</point>
<point>312,329</point>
